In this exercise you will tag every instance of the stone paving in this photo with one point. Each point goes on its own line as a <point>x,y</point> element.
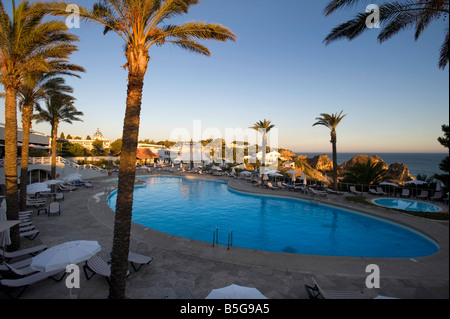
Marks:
<point>187,269</point>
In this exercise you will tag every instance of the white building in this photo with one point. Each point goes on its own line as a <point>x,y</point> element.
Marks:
<point>192,153</point>
<point>271,158</point>
<point>37,140</point>
<point>87,144</point>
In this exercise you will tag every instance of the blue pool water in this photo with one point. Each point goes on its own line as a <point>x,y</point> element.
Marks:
<point>195,208</point>
<point>406,204</point>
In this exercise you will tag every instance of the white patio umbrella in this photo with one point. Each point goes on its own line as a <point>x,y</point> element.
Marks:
<point>293,174</point>
<point>235,292</point>
<point>53,182</point>
<point>303,177</point>
<point>37,187</point>
<point>5,240</point>
<point>60,256</point>
<point>275,175</point>
<point>388,184</point>
<point>416,182</point>
<point>438,186</point>
<point>72,177</point>
<point>216,168</point>
<point>5,225</point>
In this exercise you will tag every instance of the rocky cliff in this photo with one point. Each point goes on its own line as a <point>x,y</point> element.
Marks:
<point>398,173</point>
<point>314,168</point>
<point>321,163</point>
<point>361,159</point>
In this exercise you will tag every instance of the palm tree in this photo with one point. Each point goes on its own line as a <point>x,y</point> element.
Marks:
<point>35,87</point>
<point>140,24</point>
<point>59,108</point>
<point>27,45</point>
<point>331,121</point>
<point>444,165</point>
<point>396,16</point>
<point>263,127</point>
<point>365,173</point>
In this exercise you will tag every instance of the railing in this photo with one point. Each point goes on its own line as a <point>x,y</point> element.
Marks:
<point>216,239</point>
<point>59,159</point>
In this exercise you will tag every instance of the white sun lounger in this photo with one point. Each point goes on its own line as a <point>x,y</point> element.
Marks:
<point>24,271</point>
<point>33,251</point>
<point>318,193</point>
<point>88,185</point>
<point>405,193</point>
<point>381,192</point>
<point>24,282</point>
<point>137,259</point>
<point>96,265</point>
<point>354,191</point>
<point>316,292</point>
<point>31,234</point>
<point>20,264</point>
<point>270,186</point>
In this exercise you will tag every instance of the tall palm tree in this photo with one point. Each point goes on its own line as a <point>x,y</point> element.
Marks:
<point>396,16</point>
<point>59,108</point>
<point>27,44</point>
<point>35,87</point>
<point>365,173</point>
<point>263,127</point>
<point>140,24</point>
<point>332,121</point>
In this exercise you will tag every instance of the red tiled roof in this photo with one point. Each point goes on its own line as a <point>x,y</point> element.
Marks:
<point>145,153</point>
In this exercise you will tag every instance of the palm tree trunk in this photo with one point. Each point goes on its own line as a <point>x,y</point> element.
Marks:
<point>27,112</point>
<point>263,157</point>
<point>137,65</point>
<point>11,164</point>
<point>335,166</point>
<point>53,160</point>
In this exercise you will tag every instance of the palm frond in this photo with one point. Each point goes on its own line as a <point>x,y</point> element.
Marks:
<point>395,16</point>
<point>339,4</point>
<point>350,29</point>
<point>200,30</point>
<point>265,126</point>
<point>192,46</point>
<point>330,120</point>
<point>443,58</point>
<point>171,8</point>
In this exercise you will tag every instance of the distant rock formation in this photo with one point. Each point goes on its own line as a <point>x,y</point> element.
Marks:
<point>315,167</point>
<point>287,155</point>
<point>321,163</point>
<point>398,173</point>
<point>361,159</point>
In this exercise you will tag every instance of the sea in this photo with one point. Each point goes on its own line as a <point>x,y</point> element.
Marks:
<point>417,163</point>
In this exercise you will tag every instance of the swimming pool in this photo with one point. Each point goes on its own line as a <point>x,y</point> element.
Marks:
<point>406,204</point>
<point>194,208</point>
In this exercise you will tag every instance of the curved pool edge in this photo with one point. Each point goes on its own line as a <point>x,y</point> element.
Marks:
<point>309,264</point>
<point>384,214</point>
<point>440,209</point>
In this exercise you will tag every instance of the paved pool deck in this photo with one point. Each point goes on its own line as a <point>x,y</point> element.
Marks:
<point>189,269</point>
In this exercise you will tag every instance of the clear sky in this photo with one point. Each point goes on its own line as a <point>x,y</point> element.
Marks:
<point>395,96</point>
